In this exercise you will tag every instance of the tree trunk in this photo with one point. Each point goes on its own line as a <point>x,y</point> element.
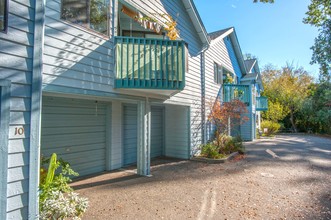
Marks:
<point>292,121</point>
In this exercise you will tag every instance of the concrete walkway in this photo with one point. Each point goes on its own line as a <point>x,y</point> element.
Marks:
<point>288,177</point>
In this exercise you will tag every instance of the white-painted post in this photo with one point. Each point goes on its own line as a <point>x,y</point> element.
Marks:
<point>144,137</point>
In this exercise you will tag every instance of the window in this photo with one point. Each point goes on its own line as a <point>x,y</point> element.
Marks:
<point>92,14</point>
<point>217,74</point>
<point>229,77</point>
<point>3,15</point>
<point>223,75</point>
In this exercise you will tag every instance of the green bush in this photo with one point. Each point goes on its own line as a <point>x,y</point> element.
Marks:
<point>222,145</point>
<point>269,128</point>
<point>210,151</point>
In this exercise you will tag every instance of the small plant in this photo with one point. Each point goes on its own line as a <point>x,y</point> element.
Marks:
<point>210,151</point>
<point>269,128</point>
<point>57,199</point>
<point>221,146</point>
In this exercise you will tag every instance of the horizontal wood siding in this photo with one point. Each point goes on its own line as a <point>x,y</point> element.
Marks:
<point>75,130</point>
<point>233,57</point>
<point>16,53</point>
<point>246,128</point>
<point>75,57</point>
<point>177,130</point>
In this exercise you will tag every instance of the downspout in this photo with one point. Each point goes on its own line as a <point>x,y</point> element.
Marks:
<point>35,121</point>
<point>203,92</point>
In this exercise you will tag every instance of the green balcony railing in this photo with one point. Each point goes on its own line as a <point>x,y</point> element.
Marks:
<point>261,103</point>
<point>236,92</point>
<point>143,63</point>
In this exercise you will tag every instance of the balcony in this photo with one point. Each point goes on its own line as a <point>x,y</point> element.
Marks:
<point>261,103</point>
<point>143,63</point>
<point>236,92</point>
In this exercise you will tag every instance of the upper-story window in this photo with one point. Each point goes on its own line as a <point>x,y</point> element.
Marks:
<point>218,73</point>
<point>92,14</point>
<point>223,75</point>
<point>3,15</point>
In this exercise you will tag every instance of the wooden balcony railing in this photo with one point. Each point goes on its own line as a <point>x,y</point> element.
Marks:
<point>261,103</point>
<point>239,92</point>
<point>143,63</point>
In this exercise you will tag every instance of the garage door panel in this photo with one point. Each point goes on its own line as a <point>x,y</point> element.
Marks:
<point>130,117</point>
<point>72,139</point>
<point>75,130</point>
<point>70,120</point>
<point>100,110</point>
<point>74,149</point>
<point>72,130</point>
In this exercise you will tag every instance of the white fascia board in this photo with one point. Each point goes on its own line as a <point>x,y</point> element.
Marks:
<point>197,22</point>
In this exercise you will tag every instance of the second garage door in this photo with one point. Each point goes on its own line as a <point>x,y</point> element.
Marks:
<point>157,131</point>
<point>129,134</point>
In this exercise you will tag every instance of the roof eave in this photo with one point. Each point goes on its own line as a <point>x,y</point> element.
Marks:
<point>199,26</point>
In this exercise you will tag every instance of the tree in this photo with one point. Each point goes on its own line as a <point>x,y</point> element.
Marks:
<point>286,89</point>
<point>222,113</point>
<point>319,15</point>
<point>315,113</point>
<point>276,111</point>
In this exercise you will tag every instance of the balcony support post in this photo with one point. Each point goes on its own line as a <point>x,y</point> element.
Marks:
<point>144,138</point>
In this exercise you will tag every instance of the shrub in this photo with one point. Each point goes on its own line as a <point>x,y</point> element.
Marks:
<point>57,199</point>
<point>222,145</point>
<point>210,151</point>
<point>269,128</point>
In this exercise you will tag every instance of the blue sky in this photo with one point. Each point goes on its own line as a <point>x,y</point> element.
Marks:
<point>272,32</point>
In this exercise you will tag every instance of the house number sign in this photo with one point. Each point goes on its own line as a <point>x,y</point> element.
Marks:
<point>19,131</point>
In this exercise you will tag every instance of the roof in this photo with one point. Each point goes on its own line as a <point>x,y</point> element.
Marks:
<point>197,21</point>
<point>250,76</point>
<point>216,34</point>
<point>250,64</point>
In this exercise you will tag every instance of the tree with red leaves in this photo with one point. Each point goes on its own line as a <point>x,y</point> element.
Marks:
<point>222,114</point>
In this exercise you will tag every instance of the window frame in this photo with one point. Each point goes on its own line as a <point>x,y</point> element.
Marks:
<point>218,74</point>
<point>86,25</point>
<point>5,23</point>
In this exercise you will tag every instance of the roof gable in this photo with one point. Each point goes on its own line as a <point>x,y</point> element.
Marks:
<point>197,22</point>
<point>231,33</point>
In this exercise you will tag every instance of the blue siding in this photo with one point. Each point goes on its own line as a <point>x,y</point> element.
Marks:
<point>233,57</point>
<point>17,65</point>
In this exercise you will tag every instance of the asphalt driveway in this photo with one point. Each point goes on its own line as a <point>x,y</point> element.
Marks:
<point>288,177</point>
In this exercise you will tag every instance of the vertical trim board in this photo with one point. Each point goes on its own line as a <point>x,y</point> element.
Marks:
<point>4,135</point>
